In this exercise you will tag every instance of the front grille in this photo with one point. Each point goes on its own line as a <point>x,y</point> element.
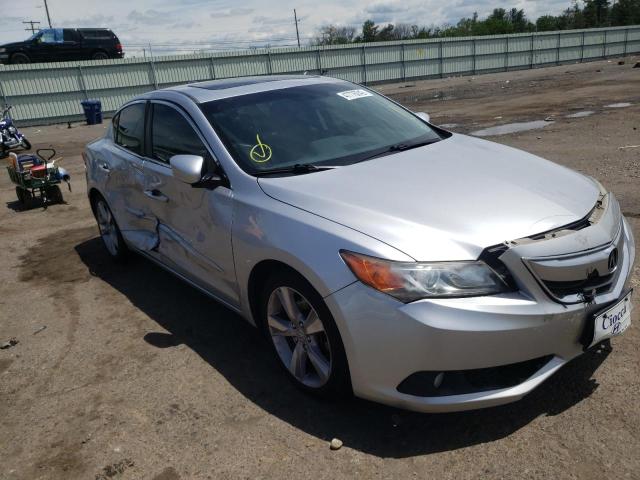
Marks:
<point>594,285</point>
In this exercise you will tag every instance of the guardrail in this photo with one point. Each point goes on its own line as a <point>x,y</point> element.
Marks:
<point>51,93</point>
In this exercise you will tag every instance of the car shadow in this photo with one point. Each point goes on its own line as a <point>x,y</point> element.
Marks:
<point>237,351</point>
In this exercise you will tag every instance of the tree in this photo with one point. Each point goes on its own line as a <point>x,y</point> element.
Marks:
<point>369,31</point>
<point>548,23</point>
<point>596,13</point>
<point>625,12</point>
<point>335,35</point>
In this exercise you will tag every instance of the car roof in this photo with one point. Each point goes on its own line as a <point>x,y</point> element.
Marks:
<point>203,92</point>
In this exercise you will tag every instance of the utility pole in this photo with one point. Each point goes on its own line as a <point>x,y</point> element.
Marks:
<point>32,26</point>
<point>295,19</point>
<point>46,7</point>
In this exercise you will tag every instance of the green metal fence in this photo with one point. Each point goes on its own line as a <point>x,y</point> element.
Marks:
<point>50,93</point>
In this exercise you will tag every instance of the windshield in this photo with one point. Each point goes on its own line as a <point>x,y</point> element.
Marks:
<point>320,124</point>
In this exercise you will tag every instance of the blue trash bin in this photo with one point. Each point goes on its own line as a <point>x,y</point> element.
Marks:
<point>92,111</point>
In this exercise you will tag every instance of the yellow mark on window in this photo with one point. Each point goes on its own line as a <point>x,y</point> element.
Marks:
<point>261,152</point>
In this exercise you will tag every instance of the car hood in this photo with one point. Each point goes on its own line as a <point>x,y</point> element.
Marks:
<point>445,201</point>
<point>13,45</point>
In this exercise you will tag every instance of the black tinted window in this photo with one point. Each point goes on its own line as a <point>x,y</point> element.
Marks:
<point>130,128</point>
<point>69,35</point>
<point>171,135</point>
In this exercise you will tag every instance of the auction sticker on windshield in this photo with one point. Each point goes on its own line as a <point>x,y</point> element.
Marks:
<point>613,321</point>
<point>354,94</point>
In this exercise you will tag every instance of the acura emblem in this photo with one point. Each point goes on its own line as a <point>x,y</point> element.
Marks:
<point>613,260</point>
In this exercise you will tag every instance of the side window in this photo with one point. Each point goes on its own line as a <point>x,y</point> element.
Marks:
<point>171,135</point>
<point>52,35</point>
<point>130,128</point>
<point>70,35</point>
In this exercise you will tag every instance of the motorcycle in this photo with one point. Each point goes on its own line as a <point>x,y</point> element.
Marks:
<point>10,136</point>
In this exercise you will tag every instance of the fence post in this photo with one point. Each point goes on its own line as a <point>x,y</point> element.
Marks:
<point>441,53</point>
<point>582,49</point>
<point>319,61</point>
<point>404,68</point>
<point>82,84</point>
<point>506,56</point>
<point>212,68</point>
<point>558,50</point>
<point>269,61</point>
<point>531,55</point>
<point>154,78</point>
<point>364,64</point>
<point>473,58</point>
<point>626,39</point>
<point>604,45</point>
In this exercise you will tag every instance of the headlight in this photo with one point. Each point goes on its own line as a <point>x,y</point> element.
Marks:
<point>408,281</point>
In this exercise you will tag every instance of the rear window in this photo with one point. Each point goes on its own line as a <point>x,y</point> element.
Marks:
<point>97,34</point>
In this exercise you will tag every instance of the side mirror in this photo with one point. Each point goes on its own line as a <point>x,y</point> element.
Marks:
<point>187,168</point>
<point>424,116</point>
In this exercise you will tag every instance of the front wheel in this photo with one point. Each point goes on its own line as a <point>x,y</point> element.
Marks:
<point>109,231</point>
<point>20,58</point>
<point>304,336</point>
<point>26,144</point>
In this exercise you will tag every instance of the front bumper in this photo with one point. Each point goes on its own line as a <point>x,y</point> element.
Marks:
<point>387,341</point>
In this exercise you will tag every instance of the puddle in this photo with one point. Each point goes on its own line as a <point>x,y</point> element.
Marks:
<point>618,105</point>
<point>586,113</point>
<point>449,125</point>
<point>511,128</point>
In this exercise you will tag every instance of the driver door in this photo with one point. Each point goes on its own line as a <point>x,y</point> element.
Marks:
<point>194,224</point>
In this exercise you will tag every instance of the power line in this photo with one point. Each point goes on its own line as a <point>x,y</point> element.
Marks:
<point>31,26</point>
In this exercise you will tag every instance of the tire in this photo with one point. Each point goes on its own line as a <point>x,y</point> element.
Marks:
<point>54,194</point>
<point>99,56</point>
<point>311,352</point>
<point>20,58</point>
<point>109,230</point>
<point>26,144</point>
<point>20,195</point>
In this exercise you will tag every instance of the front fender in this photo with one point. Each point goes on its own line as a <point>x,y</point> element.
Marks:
<point>267,229</point>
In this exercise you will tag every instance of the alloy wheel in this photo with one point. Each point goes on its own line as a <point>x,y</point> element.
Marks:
<point>107,226</point>
<point>299,337</point>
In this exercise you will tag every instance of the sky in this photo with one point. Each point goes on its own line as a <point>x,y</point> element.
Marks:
<point>182,26</point>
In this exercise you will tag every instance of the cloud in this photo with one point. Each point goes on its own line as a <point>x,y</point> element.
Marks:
<point>233,12</point>
<point>247,22</point>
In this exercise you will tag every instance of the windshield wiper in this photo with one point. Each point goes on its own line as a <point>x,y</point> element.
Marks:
<point>398,147</point>
<point>298,168</point>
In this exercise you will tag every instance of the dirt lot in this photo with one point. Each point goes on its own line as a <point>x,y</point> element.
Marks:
<point>138,376</point>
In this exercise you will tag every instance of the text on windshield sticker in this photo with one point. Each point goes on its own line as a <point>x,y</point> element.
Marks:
<point>354,94</point>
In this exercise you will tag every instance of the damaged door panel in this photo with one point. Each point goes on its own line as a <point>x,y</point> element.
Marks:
<point>124,178</point>
<point>193,225</point>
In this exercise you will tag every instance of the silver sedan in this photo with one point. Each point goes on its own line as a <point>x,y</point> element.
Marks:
<point>379,254</point>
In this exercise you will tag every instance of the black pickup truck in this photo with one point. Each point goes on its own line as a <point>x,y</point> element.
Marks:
<point>63,45</point>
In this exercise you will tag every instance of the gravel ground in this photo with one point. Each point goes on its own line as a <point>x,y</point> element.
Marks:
<point>137,375</point>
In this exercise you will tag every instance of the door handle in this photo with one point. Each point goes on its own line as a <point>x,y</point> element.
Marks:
<point>105,167</point>
<point>156,195</point>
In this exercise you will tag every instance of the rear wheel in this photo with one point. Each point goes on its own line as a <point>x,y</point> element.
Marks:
<point>20,58</point>
<point>26,144</point>
<point>99,56</point>
<point>20,195</point>
<point>109,231</point>
<point>54,194</point>
<point>304,335</point>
